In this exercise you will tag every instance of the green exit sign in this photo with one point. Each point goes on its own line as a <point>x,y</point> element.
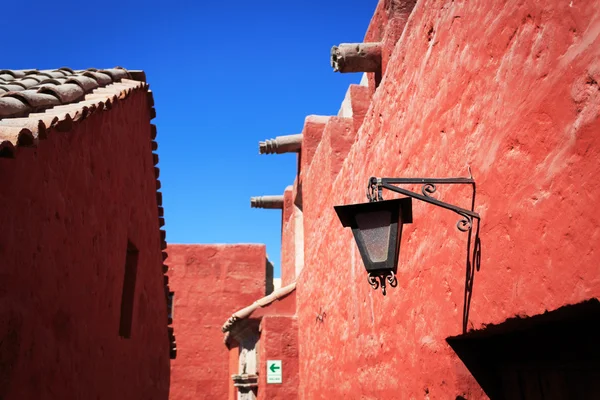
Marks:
<point>274,371</point>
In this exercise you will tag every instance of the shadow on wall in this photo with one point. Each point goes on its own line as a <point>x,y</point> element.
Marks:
<point>555,355</point>
<point>269,287</point>
<point>10,345</point>
<point>473,264</point>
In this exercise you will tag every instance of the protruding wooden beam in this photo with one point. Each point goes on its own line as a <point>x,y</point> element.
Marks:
<point>356,57</point>
<point>271,202</point>
<point>281,144</point>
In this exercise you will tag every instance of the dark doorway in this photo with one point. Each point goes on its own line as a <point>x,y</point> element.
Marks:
<point>555,355</point>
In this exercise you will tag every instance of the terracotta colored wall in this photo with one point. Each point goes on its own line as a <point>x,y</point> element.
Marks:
<point>279,341</point>
<point>69,208</point>
<point>234,368</point>
<point>510,89</point>
<point>288,239</point>
<point>210,282</point>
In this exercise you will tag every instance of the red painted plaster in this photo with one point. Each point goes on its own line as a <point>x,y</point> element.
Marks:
<point>311,136</point>
<point>210,282</point>
<point>314,125</point>
<point>234,359</point>
<point>386,26</point>
<point>288,239</point>
<point>69,208</point>
<point>341,134</point>
<point>360,100</point>
<point>510,89</point>
<point>279,341</point>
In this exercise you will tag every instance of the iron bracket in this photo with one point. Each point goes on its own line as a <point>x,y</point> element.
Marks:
<point>465,224</point>
<point>428,189</point>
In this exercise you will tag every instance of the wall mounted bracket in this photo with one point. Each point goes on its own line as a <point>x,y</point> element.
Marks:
<point>465,224</point>
<point>374,193</point>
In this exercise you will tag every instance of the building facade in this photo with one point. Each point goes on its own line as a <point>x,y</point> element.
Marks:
<point>506,92</point>
<point>504,95</point>
<point>209,283</point>
<point>83,312</point>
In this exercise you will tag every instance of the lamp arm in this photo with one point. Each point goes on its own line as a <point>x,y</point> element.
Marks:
<point>428,188</point>
<point>473,261</point>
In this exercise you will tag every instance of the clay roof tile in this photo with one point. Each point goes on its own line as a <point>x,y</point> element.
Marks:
<point>36,77</point>
<point>47,81</point>
<point>17,73</point>
<point>56,73</point>
<point>19,83</point>
<point>36,125</point>
<point>35,99</point>
<point>66,93</point>
<point>85,82</point>
<point>116,73</point>
<point>27,82</point>
<point>19,135</point>
<point>101,78</point>
<point>11,107</point>
<point>50,74</point>
<point>11,87</point>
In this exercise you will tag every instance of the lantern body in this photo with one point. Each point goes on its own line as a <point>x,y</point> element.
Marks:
<point>377,229</point>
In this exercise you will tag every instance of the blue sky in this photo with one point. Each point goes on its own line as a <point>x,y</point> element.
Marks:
<point>225,75</point>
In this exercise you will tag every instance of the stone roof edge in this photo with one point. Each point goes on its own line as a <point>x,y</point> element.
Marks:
<point>28,131</point>
<point>260,303</point>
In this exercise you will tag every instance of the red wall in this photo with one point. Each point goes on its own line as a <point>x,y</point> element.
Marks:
<point>279,341</point>
<point>210,282</point>
<point>69,208</point>
<point>288,239</point>
<point>509,89</point>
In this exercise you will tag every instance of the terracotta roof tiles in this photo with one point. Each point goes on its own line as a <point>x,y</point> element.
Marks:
<point>23,92</point>
<point>31,101</point>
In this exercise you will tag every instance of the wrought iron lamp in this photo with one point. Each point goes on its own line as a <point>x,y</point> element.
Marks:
<point>377,229</point>
<point>377,225</point>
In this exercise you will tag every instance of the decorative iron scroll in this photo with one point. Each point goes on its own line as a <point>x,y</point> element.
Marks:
<point>380,278</point>
<point>465,224</point>
<point>428,188</point>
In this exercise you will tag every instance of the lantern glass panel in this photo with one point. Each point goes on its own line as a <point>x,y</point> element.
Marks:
<point>374,228</point>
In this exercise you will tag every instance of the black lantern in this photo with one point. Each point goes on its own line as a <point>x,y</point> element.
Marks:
<point>377,226</point>
<point>377,229</point>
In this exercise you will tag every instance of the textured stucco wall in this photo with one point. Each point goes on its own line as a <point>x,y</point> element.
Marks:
<point>288,238</point>
<point>279,341</point>
<point>508,88</point>
<point>210,282</point>
<point>69,208</point>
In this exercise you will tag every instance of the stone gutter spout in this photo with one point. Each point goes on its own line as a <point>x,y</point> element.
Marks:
<point>281,144</point>
<point>356,57</point>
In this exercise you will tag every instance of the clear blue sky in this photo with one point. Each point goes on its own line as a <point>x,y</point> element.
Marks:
<point>225,75</point>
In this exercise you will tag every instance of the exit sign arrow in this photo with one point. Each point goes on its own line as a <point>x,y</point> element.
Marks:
<point>274,367</point>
